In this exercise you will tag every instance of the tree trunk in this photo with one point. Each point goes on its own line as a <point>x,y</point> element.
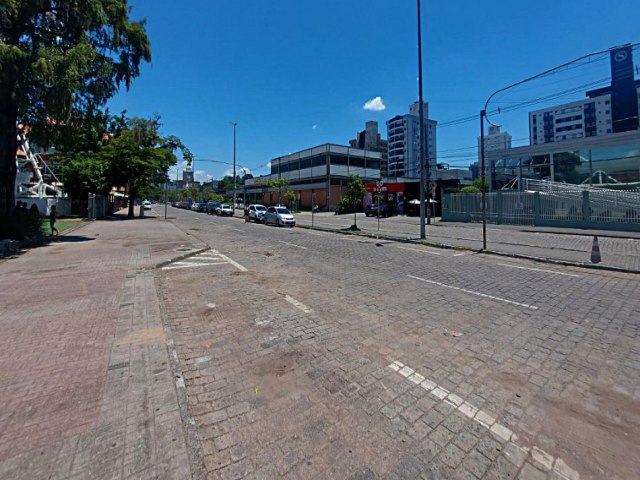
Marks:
<point>8,150</point>
<point>133,193</point>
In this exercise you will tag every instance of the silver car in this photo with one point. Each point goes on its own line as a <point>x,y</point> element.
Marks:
<point>279,216</point>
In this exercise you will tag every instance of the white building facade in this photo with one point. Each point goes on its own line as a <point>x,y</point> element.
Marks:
<point>496,140</point>
<point>590,117</point>
<point>403,137</point>
<point>607,110</point>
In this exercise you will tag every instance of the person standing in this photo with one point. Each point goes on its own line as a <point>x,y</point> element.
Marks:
<point>53,217</point>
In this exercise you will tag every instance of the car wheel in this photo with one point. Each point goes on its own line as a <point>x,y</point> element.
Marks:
<point>278,224</point>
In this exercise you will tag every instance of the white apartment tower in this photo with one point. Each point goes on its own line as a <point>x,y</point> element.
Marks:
<point>607,110</point>
<point>402,135</point>
<point>496,140</point>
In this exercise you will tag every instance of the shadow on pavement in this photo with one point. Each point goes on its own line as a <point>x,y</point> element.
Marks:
<point>68,239</point>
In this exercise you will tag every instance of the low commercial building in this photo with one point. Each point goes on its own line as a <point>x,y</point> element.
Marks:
<point>317,176</point>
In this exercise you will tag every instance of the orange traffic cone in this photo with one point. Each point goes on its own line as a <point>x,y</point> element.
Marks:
<point>595,251</point>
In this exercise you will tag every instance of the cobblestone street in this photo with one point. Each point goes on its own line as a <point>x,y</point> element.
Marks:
<point>319,355</point>
<point>206,347</point>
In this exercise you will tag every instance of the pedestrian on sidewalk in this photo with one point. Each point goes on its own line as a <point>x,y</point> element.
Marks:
<point>53,217</point>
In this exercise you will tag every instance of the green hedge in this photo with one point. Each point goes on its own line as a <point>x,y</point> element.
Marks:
<point>20,225</point>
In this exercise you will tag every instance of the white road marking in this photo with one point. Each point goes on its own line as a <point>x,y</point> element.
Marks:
<point>232,262</point>
<point>479,294</point>
<point>297,304</point>
<point>461,254</point>
<point>539,457</point>
<point>205,259</point>
<point>293,245</point>
<point>539,270</point>
<point>420,251</point>
<point>211,305</point>
<point>179,265</point>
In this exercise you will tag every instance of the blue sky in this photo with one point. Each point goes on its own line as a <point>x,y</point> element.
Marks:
<point>296,74</point>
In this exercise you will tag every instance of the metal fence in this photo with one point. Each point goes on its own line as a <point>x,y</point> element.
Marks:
<point>554,207</point>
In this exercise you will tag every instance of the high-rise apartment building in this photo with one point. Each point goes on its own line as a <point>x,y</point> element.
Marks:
<point>369,139</point>
<point>496,140</point>
<point>187,175</point>
<point>607,110</point>
<point>402,137</point>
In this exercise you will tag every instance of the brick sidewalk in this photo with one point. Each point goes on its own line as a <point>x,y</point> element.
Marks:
<point>86,384</point>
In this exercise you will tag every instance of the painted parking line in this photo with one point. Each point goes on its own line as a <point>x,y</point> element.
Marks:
<point>232,262</point>
<point>536,456</point>
<point>420,251</point>
<point>461,254</point>
<point>539,270</point>
<point>471,292</point>
<point>205,259</point>
<point>293,245</point>
<point>297,304</point>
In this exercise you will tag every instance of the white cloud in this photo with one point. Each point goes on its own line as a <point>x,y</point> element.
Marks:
<point>375,105</point>
<point>202,176</point>
<point>315,126</point>
<point>229,173</point>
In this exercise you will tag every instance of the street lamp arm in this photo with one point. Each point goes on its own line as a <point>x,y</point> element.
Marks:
<point>545,73</point>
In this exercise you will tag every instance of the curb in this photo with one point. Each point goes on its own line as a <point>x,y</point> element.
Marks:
<point>193,442</point>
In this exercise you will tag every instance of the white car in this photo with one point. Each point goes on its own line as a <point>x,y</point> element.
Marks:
<point>225,211</point>
<point>146,205</point>
<point>257,212</point>
<point>279,216</point>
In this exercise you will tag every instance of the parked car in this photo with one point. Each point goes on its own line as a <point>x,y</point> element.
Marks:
<point>224,210</point>
<point>279,216</point>
<point>386,210</point>
<point>201,207</point>
<point>146,205</point>
<point>211,207</point>
<point>257,212</point>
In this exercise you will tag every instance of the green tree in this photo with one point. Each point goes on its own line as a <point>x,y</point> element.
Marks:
<point>60,59</point>
<point>226,183</point>
<point>138,156</point>
<point>84,173</point>
<point>477,184</point>
<point>354,194</point>
<point>282,186</point>
<point>190,193</point>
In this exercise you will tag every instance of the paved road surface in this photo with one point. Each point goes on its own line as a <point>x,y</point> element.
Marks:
<point>318,355</point>
<point>208,347</point>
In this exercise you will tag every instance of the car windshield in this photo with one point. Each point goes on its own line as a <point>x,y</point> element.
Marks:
<point>282,210</point>
<point>261,208</point>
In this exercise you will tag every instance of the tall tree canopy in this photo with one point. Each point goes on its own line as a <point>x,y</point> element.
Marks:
<point>60,60</point>
<point>138,156</point>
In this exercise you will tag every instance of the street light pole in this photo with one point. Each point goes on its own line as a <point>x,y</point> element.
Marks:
<point>235,124</point>
<point>421,159</point>
<point>483,181</point>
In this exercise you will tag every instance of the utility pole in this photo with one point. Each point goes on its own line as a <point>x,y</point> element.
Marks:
<point>235,124</point>
<point>483,113</point>
<point>421,139</point>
